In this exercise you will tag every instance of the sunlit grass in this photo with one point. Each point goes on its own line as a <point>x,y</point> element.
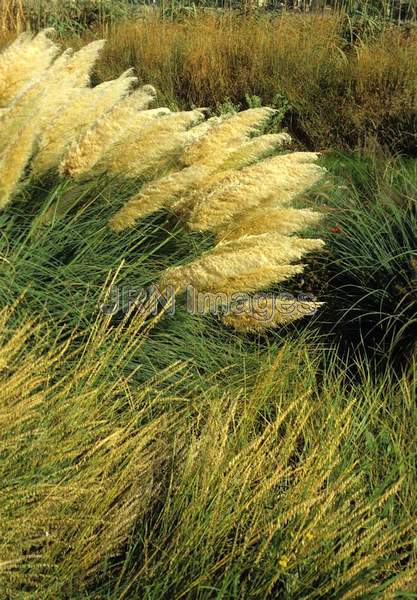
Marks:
<point>178,459</point>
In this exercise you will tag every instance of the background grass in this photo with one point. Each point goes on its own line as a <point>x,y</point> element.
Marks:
<point>332,91</point>
<point>337,83</point>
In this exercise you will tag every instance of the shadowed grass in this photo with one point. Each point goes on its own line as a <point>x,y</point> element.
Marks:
<point>368,278</point>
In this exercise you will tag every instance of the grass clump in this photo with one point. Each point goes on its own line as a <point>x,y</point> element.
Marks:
<point>210,172</point>
<point>368,277</point>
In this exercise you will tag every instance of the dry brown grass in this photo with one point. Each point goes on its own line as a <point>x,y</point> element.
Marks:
<point>332,93</point>
<point>12,16</point>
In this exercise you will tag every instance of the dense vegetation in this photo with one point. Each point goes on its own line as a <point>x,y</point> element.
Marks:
<point>173,457</point>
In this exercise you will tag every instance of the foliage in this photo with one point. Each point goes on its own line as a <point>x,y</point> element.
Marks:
<point>370,271</point>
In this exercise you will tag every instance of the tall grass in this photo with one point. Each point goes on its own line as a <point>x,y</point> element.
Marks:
<point>335,83</point>
<point>275,485</point>
<point>12,16</point>
<point>211,173</point>
<point>67,16</point>
<point>331,90</point>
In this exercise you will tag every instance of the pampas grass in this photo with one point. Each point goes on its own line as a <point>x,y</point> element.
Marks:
<point>75,118</point>
<point>154,146</point>
<point>250,263</point>
<point>274,181</point>
<point>216,174</point>
<point>285,221</point>
<point>13,161</point>
<point>243,469</point>
<point>259,314</point>
<point>25,59</point>
<point>108,129</point>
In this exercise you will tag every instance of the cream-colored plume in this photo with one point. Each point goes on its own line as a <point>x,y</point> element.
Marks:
<point>22,110</point>
<point>182,189</point>
<point>84,155</point>
<point>219,174</point>
<point>206,150</point>
<point>53,99</point>
<point>270,218</point>
<point>13,161</point>
<point>251,263</point>
<point>157,194</point>
<point>85,107</point>
<point>223,139</point>
<point>275,181</point>
<point>258,314</point>
<point>154,146</point>
<point>77,67</point>
<point>22,61</point>
<point>255,149</point>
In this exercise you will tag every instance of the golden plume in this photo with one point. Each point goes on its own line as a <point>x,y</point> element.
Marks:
<point>259,313</point>
<point>22,61</point>
<point>108,129</point>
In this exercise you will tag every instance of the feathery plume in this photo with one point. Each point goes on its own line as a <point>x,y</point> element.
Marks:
<point>24,107</point>
<point>13,161</point>
<point>173,190</point>
<point>84,155</point>
<point>138,121</point>
<point>86,106</point>
<point>196,133</point>
<point>255,149</point>
<point>207,276</point>
<point>258,314</point>
<point>79,65</point>
<point>274,219</point>
<point>274,247</point>
<point>68,75</point>
<point>57,68</point>
<point>154,146</point>
<point>277,181</point>
<point>208,198</point>
<point>224,136</point>
<point>24,59</point>
<point>157,194</point>
<point>249,264</point>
